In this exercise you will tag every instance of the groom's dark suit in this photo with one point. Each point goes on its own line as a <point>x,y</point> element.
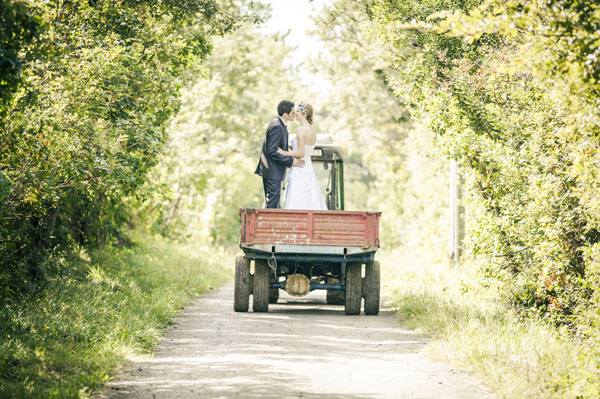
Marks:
<point>272,164</point>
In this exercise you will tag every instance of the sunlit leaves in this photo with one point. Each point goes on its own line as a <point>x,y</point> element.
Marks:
<point>207,173</point>
<point>86,114</point>
<point>511,88</point>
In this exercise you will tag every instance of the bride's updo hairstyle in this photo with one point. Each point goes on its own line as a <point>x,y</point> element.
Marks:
<point>307,110</point>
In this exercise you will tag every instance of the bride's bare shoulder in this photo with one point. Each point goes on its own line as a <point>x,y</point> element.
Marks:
<point>304,130</point>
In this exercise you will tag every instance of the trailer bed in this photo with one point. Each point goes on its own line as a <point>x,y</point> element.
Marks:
<point>302,231</point>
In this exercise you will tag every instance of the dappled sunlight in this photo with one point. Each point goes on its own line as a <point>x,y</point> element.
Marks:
<point>301,348</point>
<point>465,133</point>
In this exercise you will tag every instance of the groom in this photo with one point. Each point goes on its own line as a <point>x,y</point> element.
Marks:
<point>272,165</point>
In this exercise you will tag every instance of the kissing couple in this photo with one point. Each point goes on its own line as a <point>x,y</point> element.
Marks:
<point>303,191</point>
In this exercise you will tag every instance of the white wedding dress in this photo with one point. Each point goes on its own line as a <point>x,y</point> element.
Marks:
<point>303,191</point>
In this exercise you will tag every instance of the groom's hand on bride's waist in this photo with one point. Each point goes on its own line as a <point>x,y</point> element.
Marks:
<point>298,163</point>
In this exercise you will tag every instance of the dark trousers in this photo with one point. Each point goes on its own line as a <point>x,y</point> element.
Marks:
<point>272,192</point>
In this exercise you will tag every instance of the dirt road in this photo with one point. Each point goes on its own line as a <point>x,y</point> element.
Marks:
<point>300,349</point>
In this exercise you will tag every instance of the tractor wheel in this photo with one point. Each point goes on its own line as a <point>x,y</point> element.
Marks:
<point>371,288</point>
<point>273,295</point>
<point>261,286</point>
<point>335,297</point>
<point>353,288</point>
<point>241,289</point>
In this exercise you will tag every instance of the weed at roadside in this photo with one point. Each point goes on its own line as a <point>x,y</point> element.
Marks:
<point>472,329</point>
<point>64,341</point>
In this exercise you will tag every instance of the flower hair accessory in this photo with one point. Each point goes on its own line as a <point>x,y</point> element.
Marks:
<point>301,107</point>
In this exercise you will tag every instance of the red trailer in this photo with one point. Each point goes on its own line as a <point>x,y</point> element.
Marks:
<point>336,232</point>
<point>304,250</point>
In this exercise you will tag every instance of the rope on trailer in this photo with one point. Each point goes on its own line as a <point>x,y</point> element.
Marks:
<point>272,263</point>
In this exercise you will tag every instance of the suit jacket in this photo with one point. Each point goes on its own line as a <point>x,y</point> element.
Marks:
<point>272,164</point>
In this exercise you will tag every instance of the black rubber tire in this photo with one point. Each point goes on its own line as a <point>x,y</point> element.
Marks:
<point>335,297</point>
<point>273,295</point>
<point>371,288</point>
<point>261,286</point>
<point>241,289</point>
<point>353,288</point>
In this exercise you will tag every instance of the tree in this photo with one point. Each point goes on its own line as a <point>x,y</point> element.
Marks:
<point>83,116</point>
<point>214,142</point>
<point>511,91</point>
<point>362,115</point>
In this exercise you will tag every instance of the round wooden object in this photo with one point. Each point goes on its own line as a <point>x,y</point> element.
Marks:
<point>297,285</point>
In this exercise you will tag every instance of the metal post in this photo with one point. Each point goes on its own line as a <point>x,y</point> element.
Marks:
<point>457,227</point>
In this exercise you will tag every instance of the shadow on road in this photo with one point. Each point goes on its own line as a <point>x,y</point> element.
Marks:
<point>302,348</point>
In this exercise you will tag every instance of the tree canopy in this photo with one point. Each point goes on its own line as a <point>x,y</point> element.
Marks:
<point>510,90</point>
<point>93,132</point>
<point>87,90</point>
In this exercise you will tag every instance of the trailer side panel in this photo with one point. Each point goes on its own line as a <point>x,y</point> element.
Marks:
<point>301,227</point>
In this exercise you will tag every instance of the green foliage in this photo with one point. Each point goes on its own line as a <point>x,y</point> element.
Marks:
<point>460,307</point>
<point>471,329</point>
<point>17,29</point>
<point>363,117</point>
<point>66,341</point>
<point>83,121</point>
<point>207,172</point>
<point>511,90</point>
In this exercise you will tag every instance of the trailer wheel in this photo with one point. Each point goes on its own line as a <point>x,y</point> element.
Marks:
<point>261,286</point>
<point>273,295</point>
<point>335,297</point>
<point>241,289</point>
<point>371,288</point>
<point>353,289</point>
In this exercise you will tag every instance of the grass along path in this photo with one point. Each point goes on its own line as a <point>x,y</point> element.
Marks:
<point>471,329</point>
<point>65,341</point>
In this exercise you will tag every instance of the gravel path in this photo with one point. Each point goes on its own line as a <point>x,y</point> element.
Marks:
<point>302,348</point>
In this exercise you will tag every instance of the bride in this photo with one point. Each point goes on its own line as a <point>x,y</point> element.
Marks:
<point>303,191</point>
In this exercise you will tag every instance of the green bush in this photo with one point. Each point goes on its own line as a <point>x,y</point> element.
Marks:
<point>207,171</point>
<point>87,89</point>
<point>68,338</point>
<point>511,90</point>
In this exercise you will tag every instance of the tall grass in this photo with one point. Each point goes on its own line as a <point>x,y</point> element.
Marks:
<point>65,340</point>
<point>473,329</point>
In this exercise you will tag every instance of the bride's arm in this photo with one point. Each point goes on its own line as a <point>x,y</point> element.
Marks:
<point>296,154</point>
